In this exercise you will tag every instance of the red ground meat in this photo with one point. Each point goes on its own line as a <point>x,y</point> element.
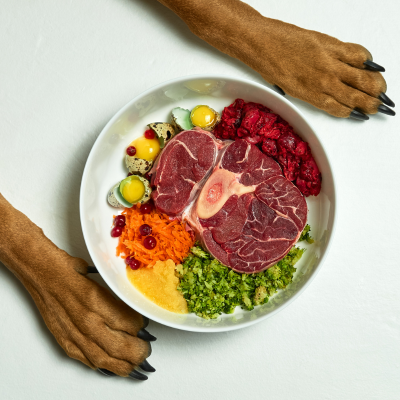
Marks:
<point>276,138</point>
<point>269,148</point>
<point>232,117</point>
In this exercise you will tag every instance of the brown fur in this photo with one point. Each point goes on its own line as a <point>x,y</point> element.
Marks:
<point>87,321</point>
<point>309,65</point>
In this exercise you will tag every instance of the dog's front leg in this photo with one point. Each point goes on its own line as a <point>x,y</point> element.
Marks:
<point>334,76</point>
<point>87,321</point>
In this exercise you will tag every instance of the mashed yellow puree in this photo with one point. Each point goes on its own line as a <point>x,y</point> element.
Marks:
<point>159,284</point>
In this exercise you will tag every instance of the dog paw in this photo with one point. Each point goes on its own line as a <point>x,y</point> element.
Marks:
<point>95,328</point>
<point>337,77</point>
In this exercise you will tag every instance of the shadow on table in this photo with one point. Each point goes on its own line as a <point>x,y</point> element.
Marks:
<point>170,21</point>
<point>173,23</point>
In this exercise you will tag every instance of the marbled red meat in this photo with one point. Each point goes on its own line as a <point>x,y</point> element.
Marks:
<point>261,216</point>
<point>184,162</point>
<point>276,138</point>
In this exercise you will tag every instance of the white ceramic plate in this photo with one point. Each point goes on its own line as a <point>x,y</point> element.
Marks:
<point>105,167</point>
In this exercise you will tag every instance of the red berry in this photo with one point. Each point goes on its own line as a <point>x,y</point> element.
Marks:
<point>149,134</point>
<point>131,151</point>
<point>145,230</point>
<point>146,208</point>
<point>149,242</point>
<point>120,221</point>
<point>132,262</point>
<point>116,231</point>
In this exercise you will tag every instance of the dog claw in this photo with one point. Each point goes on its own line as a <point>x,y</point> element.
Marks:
<point>147,367</point>
<point>105,372</point>
<point>145,321</point>
<point>385,99</point>
<point>279,90</point>
<point>373,66</point>
<point>134,374</point>
<point>144,335</point>
<point>386,110</point>
<point>92,270</point>
<point>138,375</point>
<point>358,115</point>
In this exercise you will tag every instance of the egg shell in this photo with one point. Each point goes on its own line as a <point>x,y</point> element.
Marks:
<point>112,200</point>
<point>137,165</point>
<point>162,129</point>
<point>176,114</point>
<point>217,120</point>
<point>147,191</point>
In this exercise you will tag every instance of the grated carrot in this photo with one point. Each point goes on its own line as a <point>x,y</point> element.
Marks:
<point>173,240</point>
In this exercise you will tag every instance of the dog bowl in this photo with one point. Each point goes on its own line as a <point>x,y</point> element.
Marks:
<point>105,168</point>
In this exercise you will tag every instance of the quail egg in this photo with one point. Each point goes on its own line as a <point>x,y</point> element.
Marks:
<point>131,190</point>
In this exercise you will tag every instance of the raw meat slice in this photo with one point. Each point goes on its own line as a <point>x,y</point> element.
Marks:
<point>283,199</point>
<point>185,161</point>
<point>257,225</point>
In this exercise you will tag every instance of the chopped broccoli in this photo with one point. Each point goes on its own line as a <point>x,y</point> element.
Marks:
<point>305,235</point>
<point>211,288</point>
<point>274,272</point>
<point>199,252</point>
<point>259,295</point>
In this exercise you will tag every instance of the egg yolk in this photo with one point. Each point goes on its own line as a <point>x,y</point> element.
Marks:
<point>202,116</point>
<point>147,149</point>
<point>133,191</point>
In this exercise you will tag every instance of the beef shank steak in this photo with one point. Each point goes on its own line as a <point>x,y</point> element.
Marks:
<point>246,213</point>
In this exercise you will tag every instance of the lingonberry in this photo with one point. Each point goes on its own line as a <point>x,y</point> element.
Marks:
<point>120,221</point>
<point>116,231</point>
<point>145,230</point>
<point>149,134</point>
<point>131,151</point>
<point>149,242</point>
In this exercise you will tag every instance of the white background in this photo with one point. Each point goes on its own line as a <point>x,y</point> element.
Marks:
<point>65,68</point>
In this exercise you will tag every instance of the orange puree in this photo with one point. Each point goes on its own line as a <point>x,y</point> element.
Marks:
<point>159,284</point>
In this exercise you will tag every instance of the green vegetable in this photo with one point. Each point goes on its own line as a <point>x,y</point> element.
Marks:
<point>210,288</point>
<point>305,235</point>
